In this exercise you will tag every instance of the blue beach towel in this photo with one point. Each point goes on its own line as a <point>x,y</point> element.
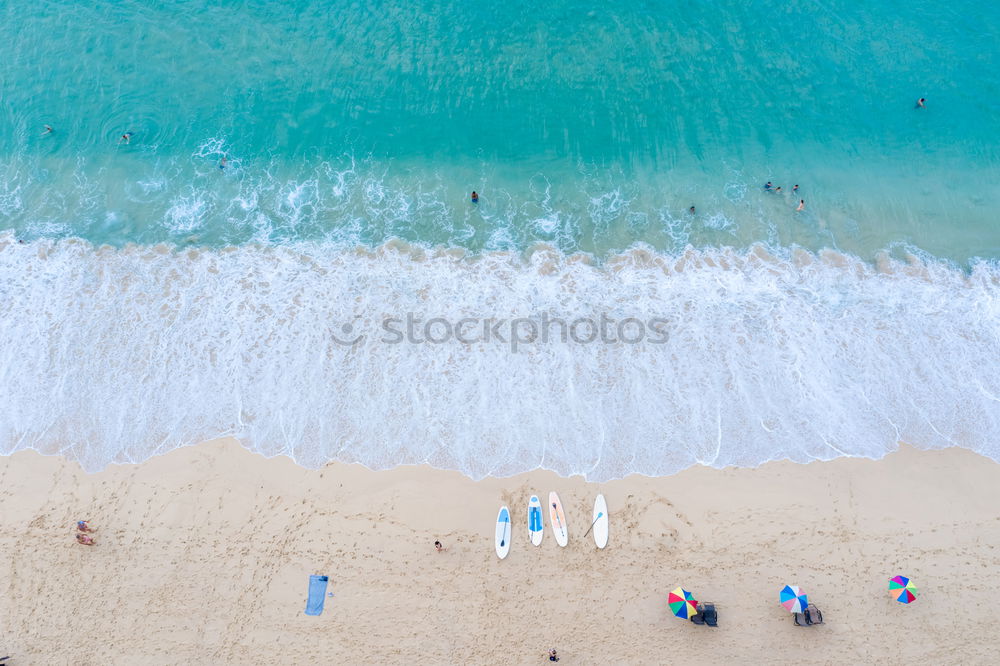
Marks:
<point>317,594</point>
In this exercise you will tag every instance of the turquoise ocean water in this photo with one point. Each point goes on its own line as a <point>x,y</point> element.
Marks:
<point>158,299</point>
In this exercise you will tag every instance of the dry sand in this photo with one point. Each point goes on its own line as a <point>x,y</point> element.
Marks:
<point>204,554</point>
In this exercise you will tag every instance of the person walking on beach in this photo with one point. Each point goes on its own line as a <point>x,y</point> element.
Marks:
<point>553,656</point>
<point>85,540</point>
<point>802,206</point>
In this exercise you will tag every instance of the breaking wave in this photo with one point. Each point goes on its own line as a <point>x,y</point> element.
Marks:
<point>118,354</point>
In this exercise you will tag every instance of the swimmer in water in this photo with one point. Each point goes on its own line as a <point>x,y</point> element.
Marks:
<point>802,206</point>
<point>795,189</point>
<point>691,210</point>
<point>48,130</point>
<point>222,162</point>
<point>126,137</point>
<point>920,104</point>
<point>777,190</point>
<point>767,186</point>
<point>475,197</point>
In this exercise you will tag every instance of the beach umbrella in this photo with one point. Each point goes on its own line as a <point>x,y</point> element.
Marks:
<point>682,603</point>
<point>902,590</point>
<point>793,598</point>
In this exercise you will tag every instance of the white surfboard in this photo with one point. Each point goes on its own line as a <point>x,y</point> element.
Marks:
<point>536,524</point>
<point>503,533</point>
<point>600,522</point>
<point>558,519</point>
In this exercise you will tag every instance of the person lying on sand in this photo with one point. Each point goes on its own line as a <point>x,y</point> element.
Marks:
<point>85,540</point>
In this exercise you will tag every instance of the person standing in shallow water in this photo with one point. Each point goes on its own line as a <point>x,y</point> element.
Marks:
<point>802,206</point>
<point>475,197</point>
<point>920,104</point>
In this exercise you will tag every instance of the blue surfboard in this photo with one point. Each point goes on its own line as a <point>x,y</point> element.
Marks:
<point>536,524</point>
<point>503,532</point>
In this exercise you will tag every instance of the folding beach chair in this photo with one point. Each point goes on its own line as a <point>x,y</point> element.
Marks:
<point>809,617</point>
<point>813,615</point>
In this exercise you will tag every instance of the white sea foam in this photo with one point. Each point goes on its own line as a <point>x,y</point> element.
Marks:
<point>186,214</point>
<point>120,354</point>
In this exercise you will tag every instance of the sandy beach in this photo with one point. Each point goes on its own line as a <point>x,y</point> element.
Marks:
<point>204,555</point>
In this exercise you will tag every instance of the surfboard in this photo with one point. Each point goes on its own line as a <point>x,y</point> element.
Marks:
<point>536,524</point>
<point>503,533</point>
<point>600,522</point>
<point>558,519</point>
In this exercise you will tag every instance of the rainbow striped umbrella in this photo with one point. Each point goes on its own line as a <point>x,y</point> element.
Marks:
<point>793,598</point>
<point>902,589</point>
<point>682,603</point>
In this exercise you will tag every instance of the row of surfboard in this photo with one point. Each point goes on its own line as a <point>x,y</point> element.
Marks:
<point>557,519</point>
